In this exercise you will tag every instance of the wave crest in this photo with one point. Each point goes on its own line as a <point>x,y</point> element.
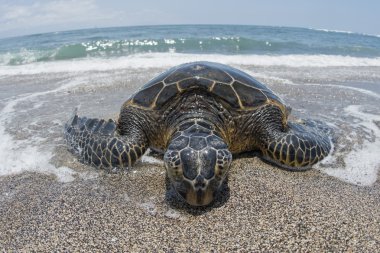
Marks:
<point>225,45</point>
<point>164,60</point>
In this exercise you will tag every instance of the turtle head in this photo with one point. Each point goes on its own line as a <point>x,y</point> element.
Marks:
<point>197,164</point>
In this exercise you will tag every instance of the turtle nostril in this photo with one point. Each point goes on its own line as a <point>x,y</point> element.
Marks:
<point>182,194</point>
<point>200,185</point>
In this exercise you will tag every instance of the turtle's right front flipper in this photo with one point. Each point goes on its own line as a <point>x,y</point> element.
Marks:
<point>98,143</point>
<point>300,146</point>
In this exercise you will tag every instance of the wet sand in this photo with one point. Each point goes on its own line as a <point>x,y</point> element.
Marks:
<point>263,209</point>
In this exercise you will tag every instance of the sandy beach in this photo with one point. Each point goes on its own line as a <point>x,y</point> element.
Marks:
<point>51,202</point>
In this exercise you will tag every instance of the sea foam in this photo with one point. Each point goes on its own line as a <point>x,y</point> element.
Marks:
<point>165,60</point>
<point>363,161</point>
<point>18,156</point>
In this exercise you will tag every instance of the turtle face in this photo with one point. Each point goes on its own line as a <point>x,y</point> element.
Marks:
<point>197,169</point>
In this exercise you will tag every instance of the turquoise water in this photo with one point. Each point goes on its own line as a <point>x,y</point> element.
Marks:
<point>189,39</point>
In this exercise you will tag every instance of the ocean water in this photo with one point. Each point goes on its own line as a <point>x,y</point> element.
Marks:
<point>329,75</point>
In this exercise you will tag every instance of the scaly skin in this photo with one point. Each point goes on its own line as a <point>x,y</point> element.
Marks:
<point>98,143</point>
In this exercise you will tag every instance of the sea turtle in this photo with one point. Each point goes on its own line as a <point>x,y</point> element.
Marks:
<point>199,114</point>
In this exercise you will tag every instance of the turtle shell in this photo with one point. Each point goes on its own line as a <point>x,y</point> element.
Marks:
<point>238,89</point>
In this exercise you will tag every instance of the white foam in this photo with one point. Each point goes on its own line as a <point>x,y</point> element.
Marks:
<point>146,158</point>
<point>172,214</point>
<point>164,60</point>
<point>363,162</point>
<point>345,87</point>
<point>17,156</point>
<point>88,175</point>
<point>149,207</point>
<point>342,31</point>
<point>290,82</point>
<point>151,160</point>
<point>363,91</point>
<point>64,174</point>
<point>333,31</point>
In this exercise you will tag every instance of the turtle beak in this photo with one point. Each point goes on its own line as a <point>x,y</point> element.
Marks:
<point>197,192</point>
<point>199,197</point>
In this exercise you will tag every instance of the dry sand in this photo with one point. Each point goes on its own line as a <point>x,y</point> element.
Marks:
<point>263,209</point>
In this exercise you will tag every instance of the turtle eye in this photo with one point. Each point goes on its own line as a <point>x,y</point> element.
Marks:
<point>173,164</point>
<point>176,173</point>
<point>223,163</point>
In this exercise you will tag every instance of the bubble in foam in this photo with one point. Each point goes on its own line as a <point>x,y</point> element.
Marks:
<point>172,214</point>
<point>149,207</point>
<point>64,174</point>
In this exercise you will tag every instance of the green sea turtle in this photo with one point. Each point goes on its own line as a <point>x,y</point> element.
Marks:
<point>199,114</point>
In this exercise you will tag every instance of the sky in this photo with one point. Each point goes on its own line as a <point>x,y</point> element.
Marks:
<point>21,17</point>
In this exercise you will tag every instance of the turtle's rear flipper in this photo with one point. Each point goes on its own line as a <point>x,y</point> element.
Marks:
<point>300,146</point>
<point>98,143</point>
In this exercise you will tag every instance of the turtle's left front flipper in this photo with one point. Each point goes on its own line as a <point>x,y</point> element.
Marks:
<point>98,143</point>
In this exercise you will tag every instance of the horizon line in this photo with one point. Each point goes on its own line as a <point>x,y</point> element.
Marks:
<point>163,25</point>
